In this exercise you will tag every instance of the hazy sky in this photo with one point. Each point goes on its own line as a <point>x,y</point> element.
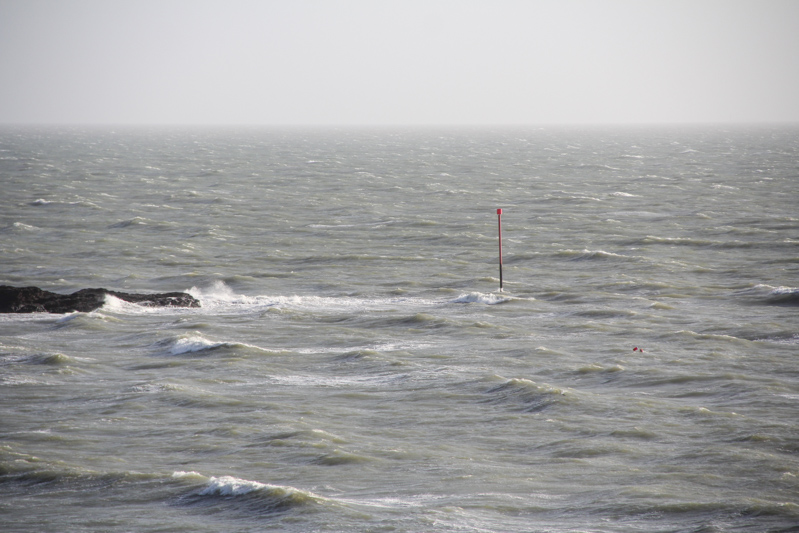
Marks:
<point>356,62</point>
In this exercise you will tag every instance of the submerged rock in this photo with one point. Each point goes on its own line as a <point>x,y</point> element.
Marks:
<point>36,300</point>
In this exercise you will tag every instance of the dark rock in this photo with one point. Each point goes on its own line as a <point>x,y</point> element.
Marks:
<point>36,300</point>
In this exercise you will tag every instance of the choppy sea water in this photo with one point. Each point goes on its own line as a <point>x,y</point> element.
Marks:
<point>354,367</point>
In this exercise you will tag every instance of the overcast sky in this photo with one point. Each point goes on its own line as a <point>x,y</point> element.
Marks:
<point>398,62</point>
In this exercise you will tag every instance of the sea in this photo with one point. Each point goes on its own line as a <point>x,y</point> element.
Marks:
<point>354,365</point>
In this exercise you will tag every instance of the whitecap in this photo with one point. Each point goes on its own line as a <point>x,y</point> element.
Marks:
<point>117,305</point>
<point>220,296</point>
<point>335,382</point>
<point>481,298</point>
<point>24,227</point>
<point>193,343</point>
<point>219,293</point>
<point>112,304</point>
<point>778,291</point>
<point>786,296</point>
<point>228,486</point>
<point>231,486</point>
<point>587,255</point>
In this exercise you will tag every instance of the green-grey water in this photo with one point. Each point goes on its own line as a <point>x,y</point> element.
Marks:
<point>354,366</point>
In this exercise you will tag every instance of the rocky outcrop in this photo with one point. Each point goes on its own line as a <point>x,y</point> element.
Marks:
<point>36,300</point>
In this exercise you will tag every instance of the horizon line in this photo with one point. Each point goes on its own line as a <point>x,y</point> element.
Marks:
<point>397,125</point>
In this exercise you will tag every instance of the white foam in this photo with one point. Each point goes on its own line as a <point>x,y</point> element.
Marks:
<point>334,382</point>
<point>219,296</point>
<point>785,290</point>
<point>480,298</point>
<point>218,293</point>
<point>181,474</point>
<point>193,343</point>
<point>380,347</point>
<point>117,305</point>
<point>68,317</point>
<point>231,486</point>
<point>24,227</point>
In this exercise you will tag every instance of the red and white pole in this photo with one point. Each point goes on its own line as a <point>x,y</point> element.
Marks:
<point>499,225</point>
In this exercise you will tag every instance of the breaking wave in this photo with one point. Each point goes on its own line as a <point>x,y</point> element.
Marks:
<point>252,495</point>
<point>195,343</point>
<point>480,298</point>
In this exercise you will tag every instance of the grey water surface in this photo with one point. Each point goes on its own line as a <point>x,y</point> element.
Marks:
<point>354,366</point>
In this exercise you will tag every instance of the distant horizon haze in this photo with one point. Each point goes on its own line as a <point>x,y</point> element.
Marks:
<point>354,63</point>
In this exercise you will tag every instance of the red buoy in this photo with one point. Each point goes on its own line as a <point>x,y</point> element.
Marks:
<point>499,226</point>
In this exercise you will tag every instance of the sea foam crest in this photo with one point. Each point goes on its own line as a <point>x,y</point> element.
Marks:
<point>781,295</point>
<point>480,298</point>
<point>222,486</point>
<point>117,305</point>
<point>219,294</point>
<point>193,343</point>
<point>769,295</point>
<point>229,486</point>
<point>20,226</point>
<point>589,255</point>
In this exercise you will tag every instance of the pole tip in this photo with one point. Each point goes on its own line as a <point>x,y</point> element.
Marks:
<point>499,211</point>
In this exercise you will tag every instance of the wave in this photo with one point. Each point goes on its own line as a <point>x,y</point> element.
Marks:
<point>50,359</point>
<point>135,221</point>
<point>360,225</point>
<point>96,320</point>
<point>197,344</point>
<point>20,227</point>
<point>35,473</point>
<point>219,296</point>
<point>340,457</point>
<point>480,298</point>
<point>605,313</point>
<point>685,333</point>
<point>594,166</point>
<point>593,255</point>
<point>526,395</point>
<point>688,241</point>
<point>564,196</point>
<point>252,495</point>
<point>783,296</point>
<point>224,492</point>
<point>47,359</point>
<point>193,344</point>
<point>82,203</point>
<point>119,306</point>
<point>769,295</point>
<point>783,338</point>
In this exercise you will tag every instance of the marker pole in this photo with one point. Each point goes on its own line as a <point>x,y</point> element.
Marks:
<point>499,226</point>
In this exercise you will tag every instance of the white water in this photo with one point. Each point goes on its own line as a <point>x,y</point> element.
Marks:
<point>353,366</point>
